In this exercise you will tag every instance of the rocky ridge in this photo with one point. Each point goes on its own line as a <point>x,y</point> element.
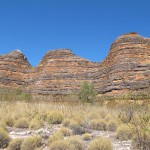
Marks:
<point>127,67</point>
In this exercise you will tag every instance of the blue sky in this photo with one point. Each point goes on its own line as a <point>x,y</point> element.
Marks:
<point>87,27</point>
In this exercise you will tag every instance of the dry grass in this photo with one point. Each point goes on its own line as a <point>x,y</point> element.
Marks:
<point>15,144</point>
<point>55,117</point>
<point>35,124</point>
<point>75,127</point>
<point>22,123</point>
<point>100,144</point>
<point>112,125</point>
<point>55,137</point>
<point>9,121</point>
<point>98,124</point>
<point>4,138</point>
<point>59,145</point>
<point>124,132</point>
<point>31,143</point>
<point>44,109</point>
<point>75,143</point>
<point>65,131</point>
<point>87,136</point>
<point>76,117</point>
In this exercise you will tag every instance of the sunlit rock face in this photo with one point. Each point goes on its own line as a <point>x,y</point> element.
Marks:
<point>14,68</point>
<point>61,72</point>
<point>127,67</point>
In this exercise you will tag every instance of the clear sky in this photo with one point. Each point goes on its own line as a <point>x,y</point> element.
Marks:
<point>87,27</point>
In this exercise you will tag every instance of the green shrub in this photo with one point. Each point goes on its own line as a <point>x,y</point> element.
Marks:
<point>4,138</point>
<point>124,132</point>
<point>35,124</point>
<point>112,125</point>
<point>55,117</point>
<point>31,143</point>
<point>15,144</point>
<point>75,143</point>
<point>87,94</point>
<point>98,124</point>
<point>21,95</point>
<point>22,123</point>
<point>100,143</point>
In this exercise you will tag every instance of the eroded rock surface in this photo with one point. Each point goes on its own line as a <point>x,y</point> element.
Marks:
<point>127,67</point>
<point>61,72</point>
<point>14,67</point>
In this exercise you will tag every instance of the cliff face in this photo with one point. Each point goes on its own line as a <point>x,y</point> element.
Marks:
<point>61,72</point>
<point>127,67</point>
<point>14,68</point>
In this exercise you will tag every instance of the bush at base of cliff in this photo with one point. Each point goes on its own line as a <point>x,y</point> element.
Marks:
<point>87,94</point>
<point>100,144</point>
<point>4,139</point>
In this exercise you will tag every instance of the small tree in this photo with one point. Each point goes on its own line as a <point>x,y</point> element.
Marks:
<point>87,92</point>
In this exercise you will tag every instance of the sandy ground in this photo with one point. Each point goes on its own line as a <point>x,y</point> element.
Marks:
<point>45,132</point>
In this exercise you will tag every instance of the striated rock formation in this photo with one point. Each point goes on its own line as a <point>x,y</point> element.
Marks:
<point>127,67</point>
<point>61,72</point>
<point>14,67</point>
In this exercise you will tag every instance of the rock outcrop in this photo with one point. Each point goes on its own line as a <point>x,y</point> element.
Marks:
<point>61,72</point>
<point>14,68</point>
<point>127,67</point>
